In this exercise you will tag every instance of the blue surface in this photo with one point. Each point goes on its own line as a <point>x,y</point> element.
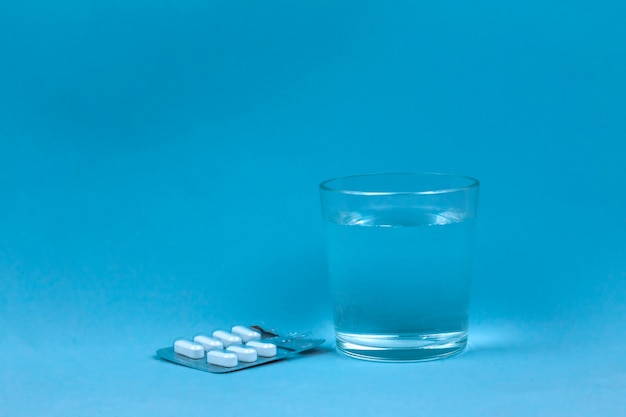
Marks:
<point>159,164</point>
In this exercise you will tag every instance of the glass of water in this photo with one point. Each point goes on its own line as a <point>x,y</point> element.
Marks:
<point>399,250</point>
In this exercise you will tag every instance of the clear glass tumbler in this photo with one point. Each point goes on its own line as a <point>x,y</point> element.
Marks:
<point>399,252</point>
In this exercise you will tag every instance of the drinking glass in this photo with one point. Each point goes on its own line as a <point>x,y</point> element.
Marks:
<point>399,251</point>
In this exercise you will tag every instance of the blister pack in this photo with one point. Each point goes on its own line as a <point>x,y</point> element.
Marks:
<point>243,347</point>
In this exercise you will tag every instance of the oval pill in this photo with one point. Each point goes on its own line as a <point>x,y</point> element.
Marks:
<point>245,354</point>
<point>265,350</point>
<point>189,349</point>
<point>221,358</point>
<point>227,338</point>
<point>246,333</point>
<point>208,343</point>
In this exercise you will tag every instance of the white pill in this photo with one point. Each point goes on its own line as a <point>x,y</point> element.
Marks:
<point>245,354</point>
<point>209,343</point>
<point>221,358</point>
<point>266,350</point>
<point>246,333</point>
<point>189,349</point>
<point>227,338</point>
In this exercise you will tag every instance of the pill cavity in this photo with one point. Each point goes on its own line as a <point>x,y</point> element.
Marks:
<point>244,354</point>
<point>265,350</point>
<point>222,358</point>
<point>227,338</point>
<point>246,333</point>
<point>209,343</point>
<point>189,349</point>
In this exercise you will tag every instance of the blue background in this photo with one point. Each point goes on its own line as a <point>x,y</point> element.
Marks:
<point>159,163</point>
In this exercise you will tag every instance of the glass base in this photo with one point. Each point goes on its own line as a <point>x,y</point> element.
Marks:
<point>401,348</point>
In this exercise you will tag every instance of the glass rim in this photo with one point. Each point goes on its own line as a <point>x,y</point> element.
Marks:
<point>472,183</point>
